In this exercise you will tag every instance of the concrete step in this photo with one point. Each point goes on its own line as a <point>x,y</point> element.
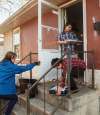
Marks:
<point>51,99</point>
<point>83,96</point>
<point>18,110</point>
<point>84,102</point>
<point>37,106</point>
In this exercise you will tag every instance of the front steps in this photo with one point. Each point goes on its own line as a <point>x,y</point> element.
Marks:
<point>36,106</point>
<point>84,102</point>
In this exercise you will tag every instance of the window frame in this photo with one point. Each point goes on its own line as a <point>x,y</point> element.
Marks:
<point>17,30</point>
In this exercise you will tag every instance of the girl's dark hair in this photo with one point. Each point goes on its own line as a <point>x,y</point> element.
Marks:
<point>9,55</point>
<point>54,60</point>
<point>67,24</point>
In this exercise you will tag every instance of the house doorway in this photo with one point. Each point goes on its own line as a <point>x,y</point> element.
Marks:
<point>74,14</point>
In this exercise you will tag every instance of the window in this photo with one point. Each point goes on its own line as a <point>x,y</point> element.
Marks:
<point>16,42</point>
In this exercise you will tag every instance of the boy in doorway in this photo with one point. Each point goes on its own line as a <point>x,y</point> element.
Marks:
<point>67,38</point>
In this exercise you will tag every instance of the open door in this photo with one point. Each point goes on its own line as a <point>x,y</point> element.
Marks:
<point>73,14</point>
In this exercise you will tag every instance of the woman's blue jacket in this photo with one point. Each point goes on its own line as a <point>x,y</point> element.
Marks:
<point>7,76</point>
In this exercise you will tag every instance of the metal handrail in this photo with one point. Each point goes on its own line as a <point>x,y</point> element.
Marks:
<point>42,77</point>
<point>26,56</point>
<point>30,55</point>
<point>46,73</point>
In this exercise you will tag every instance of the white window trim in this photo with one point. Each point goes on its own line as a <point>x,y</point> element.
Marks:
<point>67,4</point>
<point>15,31</point>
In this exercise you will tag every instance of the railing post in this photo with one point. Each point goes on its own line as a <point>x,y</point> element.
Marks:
<point>28,91</point>
<point>99,104</point>
<point>69,69</point>
<point>44,96</point>
<point>30,63</point>
<point>93,67</point>
<point>27,102</point>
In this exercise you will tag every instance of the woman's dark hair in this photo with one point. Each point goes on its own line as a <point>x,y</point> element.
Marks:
<point>9,55</point>
<point>54,60</point>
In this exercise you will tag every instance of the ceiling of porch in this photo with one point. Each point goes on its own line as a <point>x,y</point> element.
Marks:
<point>58,2</point>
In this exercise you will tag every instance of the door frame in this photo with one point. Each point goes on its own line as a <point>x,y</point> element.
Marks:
<point>67,4</point>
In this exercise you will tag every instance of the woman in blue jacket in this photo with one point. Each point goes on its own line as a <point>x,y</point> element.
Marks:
<point>7,79</point>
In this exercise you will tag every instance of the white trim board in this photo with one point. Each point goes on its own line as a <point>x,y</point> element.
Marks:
<point>84,25</point>
<point>49,4</point>
<point>69,3</point>
<point>39,25</point>
<point>85,29</point>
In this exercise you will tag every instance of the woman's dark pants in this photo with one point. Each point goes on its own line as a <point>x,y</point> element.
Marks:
<point>11,101</point>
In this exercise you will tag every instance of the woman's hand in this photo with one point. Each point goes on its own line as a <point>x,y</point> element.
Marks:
<point>37,63</point>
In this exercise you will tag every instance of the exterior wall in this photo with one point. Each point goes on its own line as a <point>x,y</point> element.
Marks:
<point>29,38</point>
<point>28,35</point>
<point>93,41</point>
<point>49,35</point>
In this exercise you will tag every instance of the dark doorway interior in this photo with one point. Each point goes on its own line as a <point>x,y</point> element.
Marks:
<point>75,17</point>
